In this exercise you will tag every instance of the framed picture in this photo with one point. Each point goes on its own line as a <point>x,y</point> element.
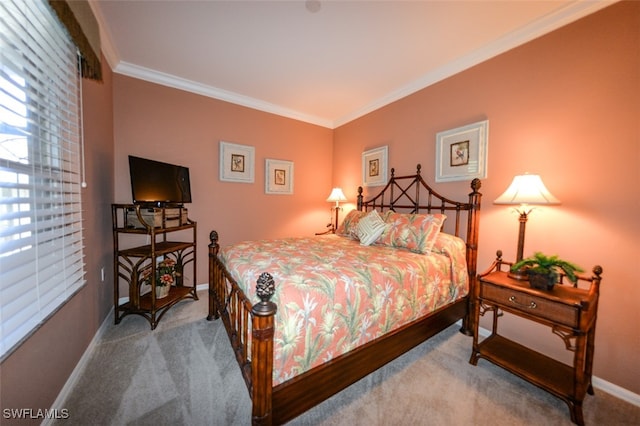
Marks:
<point>461,153</point>
<point>374,166</point>
<point>236,162</point>
<point>278,177</point>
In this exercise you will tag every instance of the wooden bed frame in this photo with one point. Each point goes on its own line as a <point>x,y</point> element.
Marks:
<point>279,404</point>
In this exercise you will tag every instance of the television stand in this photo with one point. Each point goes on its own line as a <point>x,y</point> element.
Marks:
<point>142,267</point>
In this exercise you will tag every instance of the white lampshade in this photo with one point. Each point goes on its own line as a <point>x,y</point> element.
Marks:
<point>527,189</point>
<point>336,196</point>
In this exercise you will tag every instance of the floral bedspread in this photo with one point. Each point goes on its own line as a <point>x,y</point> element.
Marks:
<point>334,294</point>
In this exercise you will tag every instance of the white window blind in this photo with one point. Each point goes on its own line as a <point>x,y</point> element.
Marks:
<point>41,245</point>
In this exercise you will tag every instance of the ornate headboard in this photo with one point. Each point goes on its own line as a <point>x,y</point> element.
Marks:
<point>411,194</point>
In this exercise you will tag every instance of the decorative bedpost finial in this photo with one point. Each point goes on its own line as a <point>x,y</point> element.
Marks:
<point>213,236</point>
<point>476,184</point>
<point>597,270</point>
<point>214,247</point>
<point>393,171</point>
<point>418,168</point>
<point>265,287</point>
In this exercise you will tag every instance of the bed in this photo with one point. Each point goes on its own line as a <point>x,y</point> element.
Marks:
<point>309,316</point>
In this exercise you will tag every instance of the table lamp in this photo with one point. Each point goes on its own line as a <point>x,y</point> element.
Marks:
<point>336,196</point>
<point>525,190</point>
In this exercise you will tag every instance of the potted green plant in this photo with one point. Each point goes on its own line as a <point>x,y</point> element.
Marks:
<point>165,277</point>
<point>543,270</point>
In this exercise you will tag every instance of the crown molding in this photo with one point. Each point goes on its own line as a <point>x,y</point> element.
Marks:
<point>549,23</point>
<point>169,80</point>
<point>510,41</point>
<point>117,66</point>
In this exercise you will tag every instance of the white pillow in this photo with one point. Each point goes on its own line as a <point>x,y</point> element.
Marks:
<point>370,228</point>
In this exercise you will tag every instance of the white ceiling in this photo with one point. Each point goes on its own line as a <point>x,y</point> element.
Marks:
<point>325,62</point>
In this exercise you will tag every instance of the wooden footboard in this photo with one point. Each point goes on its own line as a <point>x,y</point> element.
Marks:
<point>228,302</point>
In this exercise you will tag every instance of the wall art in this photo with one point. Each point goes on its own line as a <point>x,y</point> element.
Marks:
<point>374,166</point>
<point>278,177</point>
<point>461,153</point>
<point>236,162</point>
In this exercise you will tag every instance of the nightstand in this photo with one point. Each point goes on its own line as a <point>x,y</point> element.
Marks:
<point>570,311</point>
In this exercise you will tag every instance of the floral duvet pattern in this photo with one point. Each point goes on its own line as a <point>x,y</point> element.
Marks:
<point>334,294</point>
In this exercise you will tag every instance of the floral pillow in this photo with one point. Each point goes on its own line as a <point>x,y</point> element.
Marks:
<point>415,232</point>
<point>447,244</point>
<point>349,226</point>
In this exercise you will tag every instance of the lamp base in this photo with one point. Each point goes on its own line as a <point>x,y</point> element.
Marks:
<point>520,275</point>
<point>330,230</point>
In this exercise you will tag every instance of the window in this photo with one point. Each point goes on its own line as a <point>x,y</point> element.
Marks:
<point>41,245</point>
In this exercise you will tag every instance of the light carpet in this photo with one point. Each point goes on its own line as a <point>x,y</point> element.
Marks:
<point>185,373</point>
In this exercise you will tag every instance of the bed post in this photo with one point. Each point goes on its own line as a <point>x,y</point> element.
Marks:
<point>360,198</point>
<point>214,248</point>
<point>472,251</point>
<point>262,351</point>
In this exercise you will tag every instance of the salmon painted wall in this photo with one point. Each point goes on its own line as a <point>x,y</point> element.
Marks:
<point>178,127</point>
<point>565,106</point>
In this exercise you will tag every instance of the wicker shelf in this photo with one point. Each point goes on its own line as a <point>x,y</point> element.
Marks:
<point>130,262</point>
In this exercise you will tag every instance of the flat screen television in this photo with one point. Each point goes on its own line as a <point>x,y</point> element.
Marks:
<point>159,184</point>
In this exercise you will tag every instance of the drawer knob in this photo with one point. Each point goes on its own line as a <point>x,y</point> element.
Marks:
<point>530,305</point>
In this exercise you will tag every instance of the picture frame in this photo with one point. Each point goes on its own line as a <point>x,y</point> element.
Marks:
<point>237,162</point>
<point>278,177</point>
<point>461,153</point>
<point>374,166</point>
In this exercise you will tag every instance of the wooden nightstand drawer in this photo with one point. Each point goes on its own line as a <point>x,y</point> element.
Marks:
<point>532,305</point>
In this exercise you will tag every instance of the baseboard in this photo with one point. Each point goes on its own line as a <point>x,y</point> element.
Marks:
<point>78,370</point>
<point>603,385</point>
<point>617,391</point>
